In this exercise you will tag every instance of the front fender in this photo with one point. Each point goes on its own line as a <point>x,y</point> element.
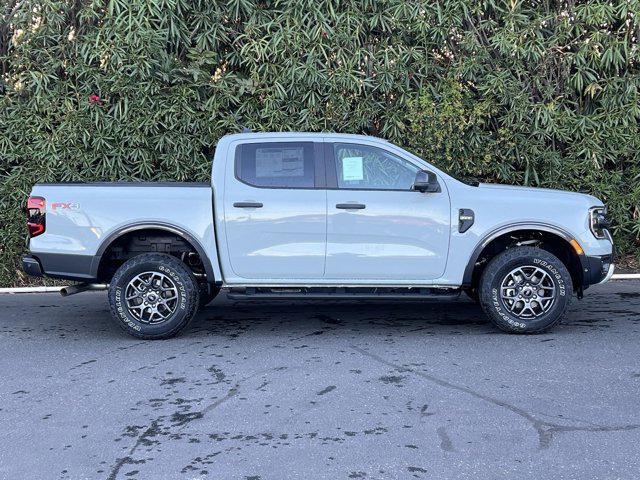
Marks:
<point>498,232</point>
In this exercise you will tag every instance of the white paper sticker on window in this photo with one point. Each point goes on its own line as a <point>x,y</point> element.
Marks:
<point>279,162</point>
<point>352,169</point>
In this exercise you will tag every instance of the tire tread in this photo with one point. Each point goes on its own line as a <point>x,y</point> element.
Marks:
<point>506,257</point>
<point>191,287</point>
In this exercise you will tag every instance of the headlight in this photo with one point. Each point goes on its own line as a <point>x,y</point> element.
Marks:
<point>598,222</point>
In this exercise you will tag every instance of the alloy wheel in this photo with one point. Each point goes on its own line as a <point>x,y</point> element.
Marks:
<point>528,292</point>
<point>151,297</point>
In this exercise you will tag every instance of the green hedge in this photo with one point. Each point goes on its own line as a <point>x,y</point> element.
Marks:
<point>543,93</point>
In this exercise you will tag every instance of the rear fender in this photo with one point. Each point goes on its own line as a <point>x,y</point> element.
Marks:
<point>213,274</point>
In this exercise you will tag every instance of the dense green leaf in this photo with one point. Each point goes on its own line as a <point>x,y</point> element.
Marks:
<point>544,93</point>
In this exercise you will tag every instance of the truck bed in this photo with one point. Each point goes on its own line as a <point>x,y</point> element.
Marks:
<point>81,218</point>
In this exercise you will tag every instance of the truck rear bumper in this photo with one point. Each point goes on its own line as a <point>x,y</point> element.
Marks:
<point>55,265</point>
<point>31,266</point>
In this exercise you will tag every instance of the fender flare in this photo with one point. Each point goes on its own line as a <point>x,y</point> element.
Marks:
<point>167,227</point>
<point>545,227</point>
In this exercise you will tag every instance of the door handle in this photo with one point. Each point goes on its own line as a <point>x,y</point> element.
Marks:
<point>247,205</point>
<point>351,206</point>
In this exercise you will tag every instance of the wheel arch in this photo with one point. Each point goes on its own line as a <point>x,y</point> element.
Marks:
<point>161,226</point>
<point>576,268</point>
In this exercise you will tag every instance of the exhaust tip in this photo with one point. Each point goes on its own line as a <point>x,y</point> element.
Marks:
<point>81,287</point>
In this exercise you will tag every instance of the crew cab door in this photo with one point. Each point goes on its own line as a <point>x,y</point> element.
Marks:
<point>275,210</point>
<point>378,228</point>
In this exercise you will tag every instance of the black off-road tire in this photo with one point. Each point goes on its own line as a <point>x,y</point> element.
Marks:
<point>187,287</point>
<point>500,266</point>
<point>207,293</point>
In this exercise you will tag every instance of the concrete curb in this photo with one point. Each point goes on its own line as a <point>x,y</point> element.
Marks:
<point>30,290</point>
<point>617,276</point>
<point>626,276</point>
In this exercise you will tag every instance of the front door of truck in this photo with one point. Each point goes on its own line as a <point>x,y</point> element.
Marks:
<point>378,228</point>
<point>275,212</point>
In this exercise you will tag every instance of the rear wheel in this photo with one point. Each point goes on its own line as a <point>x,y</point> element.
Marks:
<point>153,296</point>
<point>525,290</point>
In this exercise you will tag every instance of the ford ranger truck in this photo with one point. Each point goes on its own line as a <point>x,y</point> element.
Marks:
<point>316,215</point>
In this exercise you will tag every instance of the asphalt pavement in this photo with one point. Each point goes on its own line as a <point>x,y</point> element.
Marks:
<point>320,390</point>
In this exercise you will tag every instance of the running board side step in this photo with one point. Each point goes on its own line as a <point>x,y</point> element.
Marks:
<point>344,293</point>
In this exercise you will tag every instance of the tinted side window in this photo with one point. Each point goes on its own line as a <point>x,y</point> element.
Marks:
<point>278,165</point>
<point>371,168</point>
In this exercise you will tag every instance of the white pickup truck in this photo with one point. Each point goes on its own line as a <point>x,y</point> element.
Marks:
<point>290,215</point>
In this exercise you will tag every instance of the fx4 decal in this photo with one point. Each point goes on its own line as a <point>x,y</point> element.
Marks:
<point>65,206</point>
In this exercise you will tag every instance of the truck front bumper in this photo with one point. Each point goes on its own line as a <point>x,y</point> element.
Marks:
<point>597,269</point>
<point>612,268</point>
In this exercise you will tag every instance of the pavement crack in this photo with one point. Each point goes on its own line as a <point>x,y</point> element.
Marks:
<point>545,430</point>
<point>143,439</point>
<point>180,420</point>
<point>184,419</point>
<point>154,429</point>
<point>553,428</point>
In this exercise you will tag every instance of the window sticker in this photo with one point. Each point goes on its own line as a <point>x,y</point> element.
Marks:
<point>352,169</point>
<point>279,162</point>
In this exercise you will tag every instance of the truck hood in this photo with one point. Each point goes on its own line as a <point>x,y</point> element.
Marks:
<point>544,193</point>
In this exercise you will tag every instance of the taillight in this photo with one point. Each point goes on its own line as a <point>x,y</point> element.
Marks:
<point>36,212</point>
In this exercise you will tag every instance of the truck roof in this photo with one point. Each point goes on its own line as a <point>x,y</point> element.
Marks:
<point>337,136</point>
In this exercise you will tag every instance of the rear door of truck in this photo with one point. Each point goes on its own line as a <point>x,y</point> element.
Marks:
<point>275,209</point>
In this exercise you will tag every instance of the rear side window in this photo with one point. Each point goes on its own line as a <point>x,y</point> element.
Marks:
<point>276,165</point>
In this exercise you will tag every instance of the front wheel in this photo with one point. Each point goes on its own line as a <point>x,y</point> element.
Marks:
<point>525,290</point>
<point>153,296</point>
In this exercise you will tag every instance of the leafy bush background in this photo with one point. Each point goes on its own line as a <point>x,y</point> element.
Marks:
<point>535,92</point>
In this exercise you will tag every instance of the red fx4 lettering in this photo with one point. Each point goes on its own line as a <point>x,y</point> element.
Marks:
<point>64,206</point>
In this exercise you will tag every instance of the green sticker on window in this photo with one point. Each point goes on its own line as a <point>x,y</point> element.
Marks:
<point>352,169</point>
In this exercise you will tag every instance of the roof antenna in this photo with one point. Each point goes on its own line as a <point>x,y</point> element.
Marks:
<point>246,130</point>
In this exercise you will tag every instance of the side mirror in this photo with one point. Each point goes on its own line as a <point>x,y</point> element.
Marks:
<point>426,182</point>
